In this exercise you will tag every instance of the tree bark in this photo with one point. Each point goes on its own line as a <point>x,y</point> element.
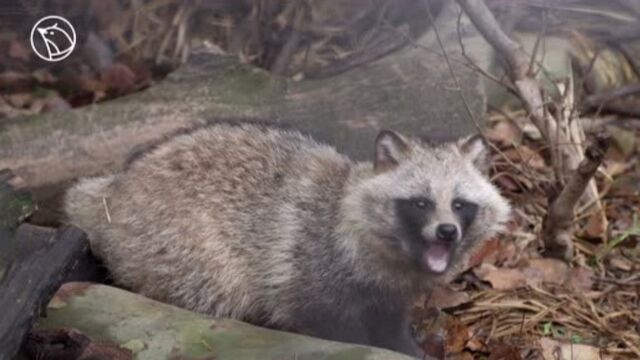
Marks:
<point>557,227</point>
<point>29,284</point>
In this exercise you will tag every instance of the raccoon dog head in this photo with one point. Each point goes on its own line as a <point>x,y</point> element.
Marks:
<point>425,203</point>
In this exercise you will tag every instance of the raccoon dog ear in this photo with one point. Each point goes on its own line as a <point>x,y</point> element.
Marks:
<point>391,148</point>
<point>475,148</point>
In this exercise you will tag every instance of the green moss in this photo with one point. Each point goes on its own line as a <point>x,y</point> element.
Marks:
<point>157,331</point>
<point>243,85</point>
<point>13,208</point>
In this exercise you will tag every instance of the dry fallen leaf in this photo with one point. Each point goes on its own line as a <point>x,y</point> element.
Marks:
<point>554,350</point>
<point>621,263</point>
<point>509,253</point>
<point>475,344</point>
<point>434,345</point>
<point>507,182</point>
<point>489,249</point>
<point>503,351</point>
<point>456,336</point>
<point>501,278</point>
<point>595,227</point>
<point>504,132</point>
<point>580,278</point>
<point>546,270</point>
<point>442,297</point>
<point>615,168</point>
<point>535,273</point>
<point>526,155</point>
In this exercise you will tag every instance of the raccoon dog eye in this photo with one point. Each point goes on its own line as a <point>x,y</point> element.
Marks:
<point>462,205</point>
<point>420,203</point>
<point>466,211</point>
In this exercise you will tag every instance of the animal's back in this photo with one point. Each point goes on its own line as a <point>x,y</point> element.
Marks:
<point>208,220</point>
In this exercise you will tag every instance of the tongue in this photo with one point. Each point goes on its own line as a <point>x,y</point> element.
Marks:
<point>436,257</point>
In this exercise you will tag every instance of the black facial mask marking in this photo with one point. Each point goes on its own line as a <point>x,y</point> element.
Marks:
<point>466,212</point>
<point>413,214</point>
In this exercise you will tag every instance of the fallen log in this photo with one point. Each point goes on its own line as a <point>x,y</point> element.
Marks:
<point>105,320</point>
<point>15,206</point>
<point>30,283</point>
<point>34,262</point>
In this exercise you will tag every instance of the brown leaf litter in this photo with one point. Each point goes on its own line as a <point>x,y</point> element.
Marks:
<point>519,305</point>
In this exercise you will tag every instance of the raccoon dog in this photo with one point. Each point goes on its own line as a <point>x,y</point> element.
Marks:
<point>271,227</point>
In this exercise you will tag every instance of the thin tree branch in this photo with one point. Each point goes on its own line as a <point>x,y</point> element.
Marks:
<point>450,67</point>
<point>486,23</point>
<point>473,65</point>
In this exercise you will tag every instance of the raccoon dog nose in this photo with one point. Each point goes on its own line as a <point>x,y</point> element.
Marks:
<point>447,232</point>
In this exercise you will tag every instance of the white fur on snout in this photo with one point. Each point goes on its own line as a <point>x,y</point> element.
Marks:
<point>429,232</point>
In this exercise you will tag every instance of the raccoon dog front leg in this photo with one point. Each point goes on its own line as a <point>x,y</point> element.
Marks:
<point>391,330</point>
<point>380,326</point>
<point>329,324</point>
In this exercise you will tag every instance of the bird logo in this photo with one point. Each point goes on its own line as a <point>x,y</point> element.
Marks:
<point>53,38</point>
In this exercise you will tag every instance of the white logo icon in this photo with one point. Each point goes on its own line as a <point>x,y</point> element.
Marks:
<point>55,37</point>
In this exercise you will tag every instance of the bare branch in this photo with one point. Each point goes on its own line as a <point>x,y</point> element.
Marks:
<point>517,62</point>
<point>557,228</point>
<point>453,74</point>
<point>472,64</point>
<point>560,130</point>
<point>486,23</point>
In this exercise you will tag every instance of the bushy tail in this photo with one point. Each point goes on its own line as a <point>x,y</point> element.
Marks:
<point>84,206</point>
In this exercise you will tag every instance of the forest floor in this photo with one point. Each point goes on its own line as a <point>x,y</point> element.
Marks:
<point>514,303</point>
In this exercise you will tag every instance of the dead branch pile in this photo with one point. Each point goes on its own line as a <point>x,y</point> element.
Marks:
<point>301,37</point>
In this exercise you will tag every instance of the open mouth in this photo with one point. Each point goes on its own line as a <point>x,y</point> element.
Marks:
<point>436,257</point>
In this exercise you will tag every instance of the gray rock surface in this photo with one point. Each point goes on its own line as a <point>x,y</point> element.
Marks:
<point>411,91</point>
